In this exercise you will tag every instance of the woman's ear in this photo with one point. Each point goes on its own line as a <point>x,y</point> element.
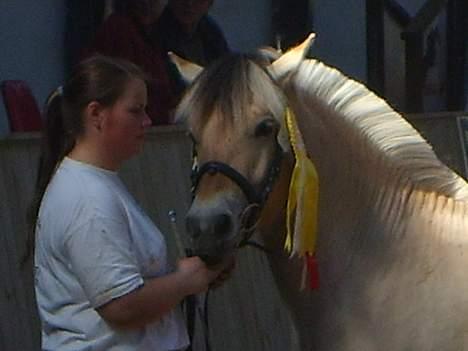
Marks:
<point>94,115</point>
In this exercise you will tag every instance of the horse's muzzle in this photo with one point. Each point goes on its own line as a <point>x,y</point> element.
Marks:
<point>210,236</point>
<point>214,226</point>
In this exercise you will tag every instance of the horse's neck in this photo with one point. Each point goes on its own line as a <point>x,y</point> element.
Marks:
<point>287,271</point>
<point>363,199</point>
<point>343,117</point>
<point>272,224</point>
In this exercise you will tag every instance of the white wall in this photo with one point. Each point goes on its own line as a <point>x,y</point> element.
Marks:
<point>31,42</point>
<point>246,23</point>
<point>340,26</point>
<point>412,6</point>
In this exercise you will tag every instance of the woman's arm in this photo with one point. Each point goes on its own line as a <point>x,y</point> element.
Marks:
<point>159,295</point>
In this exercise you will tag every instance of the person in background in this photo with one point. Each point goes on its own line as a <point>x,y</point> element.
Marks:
<point>125,34</point>
<point>186,29</point>
<point>102,278</point>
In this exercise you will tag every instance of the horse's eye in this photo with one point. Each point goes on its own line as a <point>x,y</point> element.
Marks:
<point>266,128</point>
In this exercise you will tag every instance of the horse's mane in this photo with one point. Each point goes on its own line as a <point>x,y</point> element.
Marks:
<point>385,130</point>
<point>233,83</point>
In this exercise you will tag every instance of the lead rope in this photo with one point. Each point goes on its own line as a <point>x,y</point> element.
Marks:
<point>205,322</point>
<point>204,314</point>
<point>190,302</point>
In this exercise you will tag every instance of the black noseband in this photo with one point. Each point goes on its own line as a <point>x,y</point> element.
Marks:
<point>253,195</point>
<point>213,167</point>
<point>256,195</point>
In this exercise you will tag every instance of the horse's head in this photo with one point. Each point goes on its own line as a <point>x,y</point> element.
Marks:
<point>234,111</point>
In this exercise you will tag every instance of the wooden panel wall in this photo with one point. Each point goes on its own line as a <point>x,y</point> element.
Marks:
<point>441,130</point>
<point>19,325</point>
<point>245,314</point>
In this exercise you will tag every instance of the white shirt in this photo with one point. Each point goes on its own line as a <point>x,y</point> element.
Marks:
<point>94,244</point>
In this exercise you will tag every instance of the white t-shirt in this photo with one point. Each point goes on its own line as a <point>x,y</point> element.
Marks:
<point>94,244</point>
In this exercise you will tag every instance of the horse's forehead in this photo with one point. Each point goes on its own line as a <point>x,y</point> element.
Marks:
<point>217,128</point>
<point>218,124</point>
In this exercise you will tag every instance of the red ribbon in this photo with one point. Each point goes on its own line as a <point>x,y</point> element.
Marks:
<point>312,268</point>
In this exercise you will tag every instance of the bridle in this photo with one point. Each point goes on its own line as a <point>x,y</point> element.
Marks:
<point>256,195</point>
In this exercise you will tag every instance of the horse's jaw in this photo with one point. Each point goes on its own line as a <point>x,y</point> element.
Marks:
<point>272,223</point>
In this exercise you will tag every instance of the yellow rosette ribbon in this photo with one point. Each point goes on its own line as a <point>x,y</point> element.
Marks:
<point>302,205</point>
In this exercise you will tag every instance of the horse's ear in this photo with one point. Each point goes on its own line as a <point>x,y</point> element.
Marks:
<point>267,55</point>
<point>291,59</point>
<point>188,70</point>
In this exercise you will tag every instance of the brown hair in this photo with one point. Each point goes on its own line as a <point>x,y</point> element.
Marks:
<point>99,78</point>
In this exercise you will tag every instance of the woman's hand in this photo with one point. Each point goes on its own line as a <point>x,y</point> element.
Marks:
<point>229,264</point>
<point>198,277</point>
<point>195,274</point>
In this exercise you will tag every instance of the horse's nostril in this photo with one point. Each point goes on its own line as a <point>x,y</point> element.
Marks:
<point>222,224</point>
<point>217,225</point>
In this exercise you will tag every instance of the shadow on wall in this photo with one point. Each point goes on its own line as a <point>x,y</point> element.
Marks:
<point>254,16</point>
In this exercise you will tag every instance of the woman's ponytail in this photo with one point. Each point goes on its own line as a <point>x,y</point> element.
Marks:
<point>56,141</point>
<point>55,145</point>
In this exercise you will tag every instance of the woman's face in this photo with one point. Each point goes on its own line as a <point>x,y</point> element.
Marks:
<point>124,123</point>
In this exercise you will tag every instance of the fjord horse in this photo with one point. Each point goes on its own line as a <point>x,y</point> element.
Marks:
<point>392,245</point>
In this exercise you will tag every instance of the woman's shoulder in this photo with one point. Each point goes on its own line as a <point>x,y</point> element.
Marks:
<point>87,185</point>
<point>76,197</point>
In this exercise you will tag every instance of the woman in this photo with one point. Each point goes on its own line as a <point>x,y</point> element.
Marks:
<point>124,34</point>
<point>102,280</point>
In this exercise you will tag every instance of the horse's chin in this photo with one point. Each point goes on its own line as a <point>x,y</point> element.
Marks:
<point>215,254</point>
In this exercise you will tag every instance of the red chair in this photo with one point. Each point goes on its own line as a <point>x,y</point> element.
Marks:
<point>21,106</point>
